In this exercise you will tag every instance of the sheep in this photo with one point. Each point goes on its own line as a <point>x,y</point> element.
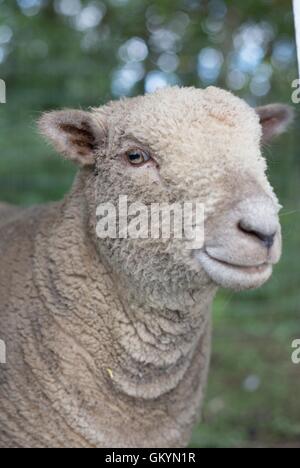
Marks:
<point>7,210</point>
<point>108,340</point>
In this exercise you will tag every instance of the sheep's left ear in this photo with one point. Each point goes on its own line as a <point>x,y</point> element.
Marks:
<point>73,133</point>
<point>274,119</point>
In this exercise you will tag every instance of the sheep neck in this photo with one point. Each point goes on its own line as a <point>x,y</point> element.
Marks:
<point>136,354</point>
<point>149,345</point>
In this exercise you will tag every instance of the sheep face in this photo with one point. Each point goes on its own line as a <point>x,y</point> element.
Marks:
<point>175,146</point>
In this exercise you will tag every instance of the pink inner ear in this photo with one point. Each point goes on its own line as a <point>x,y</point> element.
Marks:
<point>274,119</point>
<point>269,125</point>
<point>81,137</point>
<point>73,134</point>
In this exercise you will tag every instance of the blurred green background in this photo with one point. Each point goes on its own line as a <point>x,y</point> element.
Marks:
<point>75,53</point>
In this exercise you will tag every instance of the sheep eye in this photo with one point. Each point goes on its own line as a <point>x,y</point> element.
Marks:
<point>137,157</point>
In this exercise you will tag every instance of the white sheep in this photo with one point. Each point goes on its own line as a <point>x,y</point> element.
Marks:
<point>108,341</point>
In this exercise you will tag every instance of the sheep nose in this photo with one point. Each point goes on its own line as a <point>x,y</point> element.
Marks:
<point>266,238</point>
<point>257,218</point>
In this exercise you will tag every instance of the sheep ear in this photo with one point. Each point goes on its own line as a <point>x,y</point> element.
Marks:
<point>274,119</point>
<point>73,133</point>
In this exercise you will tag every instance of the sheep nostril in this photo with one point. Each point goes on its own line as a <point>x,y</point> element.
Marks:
<point>266,239</point>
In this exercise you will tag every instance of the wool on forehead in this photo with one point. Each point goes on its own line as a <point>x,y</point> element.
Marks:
<point>185,106</point>
<point>210,127</point>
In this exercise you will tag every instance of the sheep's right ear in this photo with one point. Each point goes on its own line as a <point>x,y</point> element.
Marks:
<point>73,133</point>
<point>274,119</point>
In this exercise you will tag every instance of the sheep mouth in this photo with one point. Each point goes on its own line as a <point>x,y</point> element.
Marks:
<point>234,276</point>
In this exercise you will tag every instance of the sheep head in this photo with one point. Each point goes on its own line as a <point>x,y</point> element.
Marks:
<point>173,146</point>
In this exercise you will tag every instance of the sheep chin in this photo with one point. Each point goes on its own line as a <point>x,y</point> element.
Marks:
<point>234,277</point>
